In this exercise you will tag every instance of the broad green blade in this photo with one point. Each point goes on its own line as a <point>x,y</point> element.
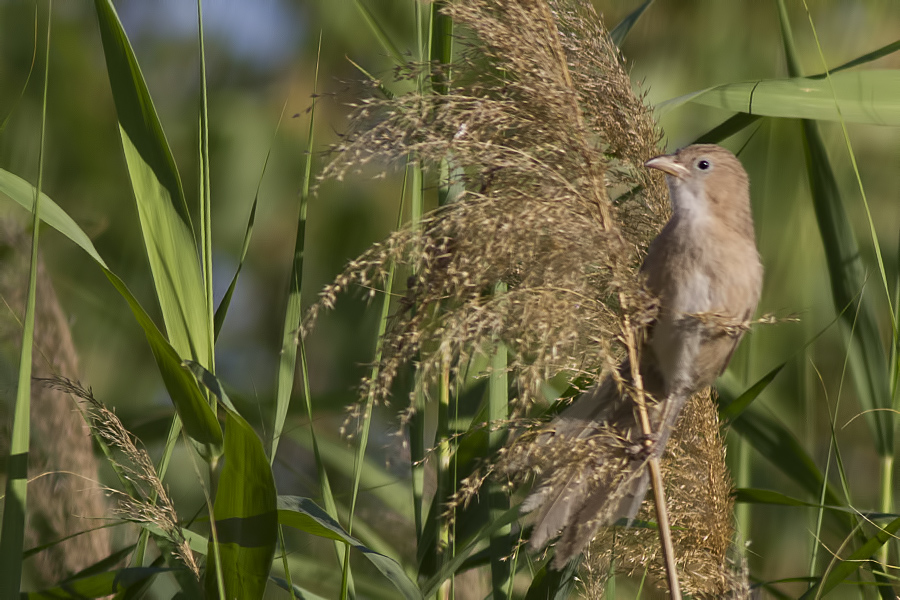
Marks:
<point>245,507</point>
<point>197,416</point>
<point>303,514</point>
<point>97,586</point>
<point>740,121</point>
<point>870,97</point>
<point>621,31</point>
<point>165,222</point>
<point>501,542</point>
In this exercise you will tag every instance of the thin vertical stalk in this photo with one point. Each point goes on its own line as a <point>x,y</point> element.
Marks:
<point>12,533</point>
<point>498,413</point>
<point>417,431</point>
<point>656,480</point>
<point>370,402</point>
<point>442,456</point>
<point>206,197</point>
<point>292,343</point>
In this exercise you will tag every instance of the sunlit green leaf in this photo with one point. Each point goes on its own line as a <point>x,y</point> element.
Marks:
<point>245,505</point>
<point>871,97</point>
<point>165,220</point>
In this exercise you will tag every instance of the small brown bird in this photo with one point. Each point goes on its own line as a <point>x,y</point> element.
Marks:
<point>705,270</point>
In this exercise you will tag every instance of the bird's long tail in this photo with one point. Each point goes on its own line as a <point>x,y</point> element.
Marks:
<point>591,465</point>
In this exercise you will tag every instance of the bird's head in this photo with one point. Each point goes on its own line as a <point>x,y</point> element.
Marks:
<point>704,181</point>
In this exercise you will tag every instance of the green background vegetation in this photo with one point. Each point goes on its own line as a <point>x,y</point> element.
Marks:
<point>677,47</point>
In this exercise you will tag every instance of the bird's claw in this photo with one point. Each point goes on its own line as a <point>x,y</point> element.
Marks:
<point>644,447</point>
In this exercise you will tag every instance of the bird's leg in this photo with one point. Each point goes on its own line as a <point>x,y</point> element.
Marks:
<point>654,444</point>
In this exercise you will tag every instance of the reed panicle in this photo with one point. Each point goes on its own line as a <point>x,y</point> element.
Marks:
<point>543,128</point>
<point>148,501</point>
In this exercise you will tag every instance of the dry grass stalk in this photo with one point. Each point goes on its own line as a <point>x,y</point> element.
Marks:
<point>148,502</point>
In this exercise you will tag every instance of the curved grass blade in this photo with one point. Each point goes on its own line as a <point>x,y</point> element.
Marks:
<point>848,276</point>
<point>367,413</point>
<point>621,31</point>
<point>222,310</point>
<point>22,192</point>
<point>198,418</point>
<point>165,221</point>
<point>295,590</point>
<point>762,496</point>
<point>732,410</point>
<point>847,281</point>
<point>776,443</point>
<point>393,491</point>
<point>731,126</point>
<point>9,115</point>
<point>794,72</point>
<point>742,120</point>
<point>290,341</point>
<point>245,506</point>
<point>549,584</point>
<point>865,58</point>
<point>303,514</point>
<point>380,34</point>
<point>97,586</point>
<point>841,569</point>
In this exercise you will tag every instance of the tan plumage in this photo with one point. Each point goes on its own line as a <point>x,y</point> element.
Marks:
<point>706,272</point>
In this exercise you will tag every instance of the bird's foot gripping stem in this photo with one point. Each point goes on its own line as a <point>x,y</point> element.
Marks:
<point>644,447</point>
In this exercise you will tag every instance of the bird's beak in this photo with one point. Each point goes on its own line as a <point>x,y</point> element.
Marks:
<point>667,164</point>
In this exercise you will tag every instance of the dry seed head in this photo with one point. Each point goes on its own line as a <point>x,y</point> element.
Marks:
<point>541,126</point>
<point>149,501</point>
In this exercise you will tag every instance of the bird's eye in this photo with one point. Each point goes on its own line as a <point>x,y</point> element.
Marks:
<point>703,165</point>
